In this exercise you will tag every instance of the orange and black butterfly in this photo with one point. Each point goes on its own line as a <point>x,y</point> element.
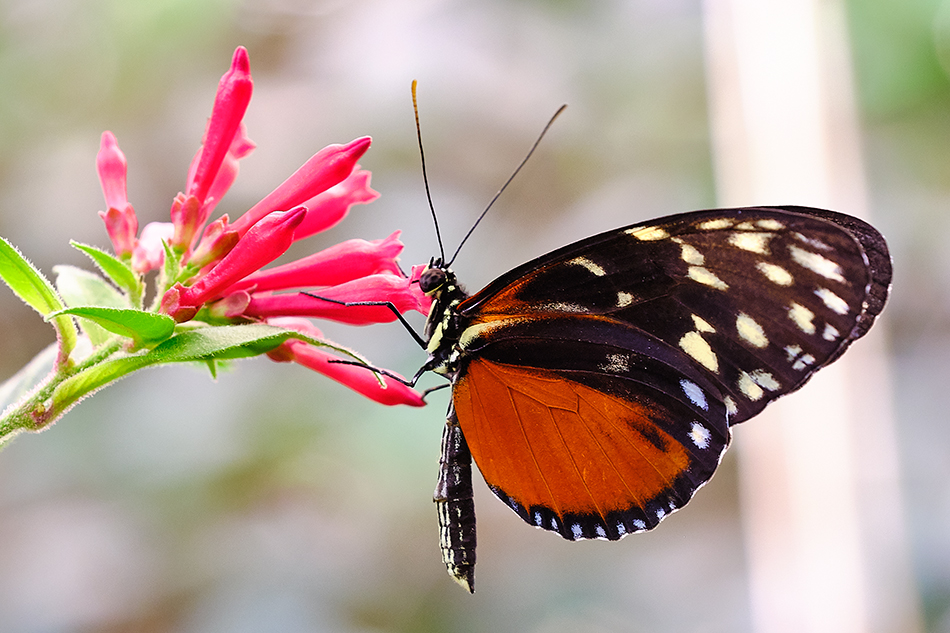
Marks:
<point>595,386</point>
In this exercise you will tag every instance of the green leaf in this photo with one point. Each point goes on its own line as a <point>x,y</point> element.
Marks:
<point>80,287</point>
<point>116,270</point>
<point>36,291</point>
<point>145,328</point>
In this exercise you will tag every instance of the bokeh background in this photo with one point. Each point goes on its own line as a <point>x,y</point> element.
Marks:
<point>275,500</point>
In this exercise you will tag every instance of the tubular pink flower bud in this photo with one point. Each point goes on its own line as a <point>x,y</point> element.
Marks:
<point>359,379</point>
<point>122,225</point>
<point>382,287</point>
<point>326,168</point>
<point>186,215</point>
<point>217,241</point>
<point>230,104</point>
<point>263,243</point>
<point>111,165</point>
<point>328,208</point>
<point>338,264</point>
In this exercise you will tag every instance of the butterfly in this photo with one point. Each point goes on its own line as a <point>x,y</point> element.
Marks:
<point>595,387</point>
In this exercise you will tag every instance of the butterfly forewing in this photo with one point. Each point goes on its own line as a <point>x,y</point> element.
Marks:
<point>598,382</point>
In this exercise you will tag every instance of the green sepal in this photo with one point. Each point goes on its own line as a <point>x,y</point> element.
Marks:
<point>144,328</point>
<point>116,270</point>
<point>36,291</point>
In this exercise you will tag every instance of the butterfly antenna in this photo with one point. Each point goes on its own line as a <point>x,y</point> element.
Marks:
<point>507,182</point>
<point>425,178</point>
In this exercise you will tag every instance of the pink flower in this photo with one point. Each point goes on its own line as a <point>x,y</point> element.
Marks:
<point>218,264</point>
<point>358,379</point>
<point>380,287</point>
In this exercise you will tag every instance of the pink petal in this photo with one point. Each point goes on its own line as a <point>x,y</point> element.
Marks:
<point>381,287</point>
<point>121,225</point>
<point>111,166</point>
<point>230,104</point>
<point>326,168</point>
<point>328,208</point>
<point>338,264</point>
<point>149,252</point>
<point>360,379</point>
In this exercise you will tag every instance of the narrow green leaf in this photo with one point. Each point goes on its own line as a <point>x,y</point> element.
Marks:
<point>36,291</point>
<point>145,328</point>
<point>26,281</point>
<point>116,270</point>
<point>80,287</point>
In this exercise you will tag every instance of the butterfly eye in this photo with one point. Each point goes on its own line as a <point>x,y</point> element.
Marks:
<point>431,280</point>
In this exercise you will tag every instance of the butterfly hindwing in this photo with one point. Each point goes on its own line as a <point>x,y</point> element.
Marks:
<point>596,384</point>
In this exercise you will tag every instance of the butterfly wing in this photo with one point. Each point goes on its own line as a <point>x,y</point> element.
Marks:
<point>598,382</point>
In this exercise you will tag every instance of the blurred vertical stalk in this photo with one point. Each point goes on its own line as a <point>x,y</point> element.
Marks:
<point>819,475</point>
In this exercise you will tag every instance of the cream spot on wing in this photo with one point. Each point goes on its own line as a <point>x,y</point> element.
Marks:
<point>702,325</point>
<point>700,435</point>
<point>745,226</point>
<point>696,346</point>
<point>750,331</point>
<point>706,277</point>
<point>574,308</point>
<point>833,301</point>
<point>616,364</point>
<point>589,265</point>
<point>648,233</point>
<point>793,351</point>
<point>802,317</point>
<point>830,333</point>
<point>694,393</point>
<point>816,263</point>
<point>714,225</point>
<point>472,332</point>
<point>815,243</point>
<point>731,407</point>
<point>770,224</point>
<point>806,361</point>
<point>749,388</point>
<point>624,299</point>
<point>775,273</point>
<point>752,242</point>
<point>692,256</point>
<point>766,380</point>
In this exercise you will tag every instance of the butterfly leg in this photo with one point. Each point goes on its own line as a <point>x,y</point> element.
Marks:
<point>456,505</point>
<point>386,304</point>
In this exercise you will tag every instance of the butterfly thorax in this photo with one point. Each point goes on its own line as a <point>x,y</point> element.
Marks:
<point>444,324</point>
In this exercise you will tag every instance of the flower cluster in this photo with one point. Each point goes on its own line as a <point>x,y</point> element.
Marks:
<point>212,271</point>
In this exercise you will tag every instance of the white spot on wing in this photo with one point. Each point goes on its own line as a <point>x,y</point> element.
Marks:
<point>660,513</point>
<point>833,301</point>
<point>706,277</point>
<point>775,273</point>
<point>815,243</point>
<point>752,242</point>
<point>750,331</point>
<point>639,524</point>
<point>563,307</point>
<point>696,346</point>
<point>700,435</point>
<point>694,393</point>
<point>702,325</point>
<point>621,528</point>
<point>731,407</point>
<point>624,299</point>
<point>806,361</point>
<point>770,224</point>
<point>538,520</point>
<point>616,364</point>
<point>802,317</point>
<point>589,265</point>
<point>692,256</point>
<point>765,379</point>
<point>830,333</point>
<point>601,532</point>
<point>749,388</point>
<point>576,530</point>
<point>714,225</point>
<point>816,263</point>
<point>648,233</point>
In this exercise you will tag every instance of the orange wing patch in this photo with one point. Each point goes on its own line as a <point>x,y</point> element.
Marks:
<point>555,447</point>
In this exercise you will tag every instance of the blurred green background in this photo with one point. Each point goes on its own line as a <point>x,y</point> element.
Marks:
<point>275,500</point>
